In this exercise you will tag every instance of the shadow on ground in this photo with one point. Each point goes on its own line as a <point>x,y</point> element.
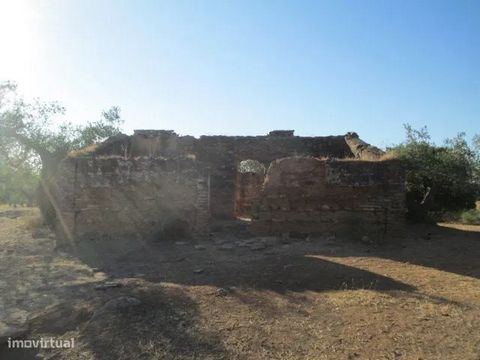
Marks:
<point>286,269</point>
<point>165,319</point>
<point>161,323</point>
<point>449,249</point>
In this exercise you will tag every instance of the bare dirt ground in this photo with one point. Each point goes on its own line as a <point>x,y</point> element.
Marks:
<point>237,297</point>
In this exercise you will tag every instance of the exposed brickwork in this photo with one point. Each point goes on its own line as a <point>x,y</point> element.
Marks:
<point>117,197</point>
<point>202,209</point>
<point>307,195</point>
<point>248,188</point>
<point>156,184</point>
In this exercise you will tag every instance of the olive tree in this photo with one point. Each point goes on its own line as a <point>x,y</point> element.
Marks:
<point>439,178</point>
<point>34,135</point>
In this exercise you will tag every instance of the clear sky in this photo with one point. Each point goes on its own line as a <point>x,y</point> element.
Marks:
<point>248,67</point>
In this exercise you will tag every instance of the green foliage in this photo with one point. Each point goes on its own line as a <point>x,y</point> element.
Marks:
<point>29,129</point>
<point>439,178</point>
<point>251,166</point>
<point>34,139</point>
<point>471,217</point>
<point>18,183</point>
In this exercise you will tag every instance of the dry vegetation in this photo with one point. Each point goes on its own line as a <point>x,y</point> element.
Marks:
<point>83,152</point>
<point>319,298</point>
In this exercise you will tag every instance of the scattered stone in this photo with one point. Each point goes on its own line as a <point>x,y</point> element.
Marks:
<point>226,247</point>
<point>179,259</point>
<point>397,353</point>
<point>245,243</point>
<point>258,246</point>
<point>200,247</point>
<point>180,243</point>
<point>221,292</point>
<point>444,311</point>
<point>40,233</point>
<point>108,285</point>
<point>198,271</point>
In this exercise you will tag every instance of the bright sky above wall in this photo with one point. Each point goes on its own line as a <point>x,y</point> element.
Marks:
<point>248,67</point>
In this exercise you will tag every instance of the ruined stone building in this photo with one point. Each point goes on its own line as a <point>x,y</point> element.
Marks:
<point>156,184</point>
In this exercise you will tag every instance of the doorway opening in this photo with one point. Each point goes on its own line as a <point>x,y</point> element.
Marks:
<point>248,185</point>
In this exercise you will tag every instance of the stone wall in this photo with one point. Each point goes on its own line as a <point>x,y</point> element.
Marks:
<point>219,155</point>
<point>248,189</point>
<point>222,154</point>
<point>115,197</point>
<point>305,195</point>
<point>362,150</point>
<point>157,184</point>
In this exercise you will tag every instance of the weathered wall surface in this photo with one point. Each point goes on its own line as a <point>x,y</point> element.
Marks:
<point>362,150</point>
<point>158,184</point>
<point>363,198</point>
<point>110,196</point>
<point>248,189</point>
<point>222,154</point>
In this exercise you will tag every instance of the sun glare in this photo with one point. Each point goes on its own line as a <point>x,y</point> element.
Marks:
<point>18,39</point>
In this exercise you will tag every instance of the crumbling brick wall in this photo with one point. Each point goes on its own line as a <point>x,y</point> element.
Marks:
<point>248,189</point>
<point>117,197</point>
<point>219,156</point>
<point>156,183</point>
<point>311,195</point>
<point>222,154</point>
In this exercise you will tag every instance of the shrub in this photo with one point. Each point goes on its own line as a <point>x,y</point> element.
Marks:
<point>471,217</point>
<point>438,178</point>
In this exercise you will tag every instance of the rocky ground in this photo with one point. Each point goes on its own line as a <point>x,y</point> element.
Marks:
<point>239,297</point>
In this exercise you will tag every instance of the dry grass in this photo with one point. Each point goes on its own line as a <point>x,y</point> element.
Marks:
<point>32,220</point>
<point>462,227</point>
<point>90,149</point>
<point>318,299</point>
<point>389,155</point>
